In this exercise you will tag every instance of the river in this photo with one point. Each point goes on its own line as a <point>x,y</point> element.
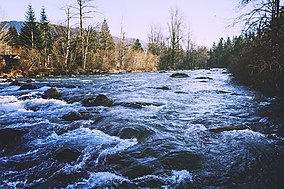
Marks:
<point>204,131</point>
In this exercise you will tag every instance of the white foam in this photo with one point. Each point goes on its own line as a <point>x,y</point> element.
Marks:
<point>11,104</point>
<point>181,176</point>
<point>100,179</point>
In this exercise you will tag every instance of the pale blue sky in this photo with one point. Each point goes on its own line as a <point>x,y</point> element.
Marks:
<point>207,20</point>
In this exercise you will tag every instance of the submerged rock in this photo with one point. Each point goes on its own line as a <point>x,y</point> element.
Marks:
<point>137,105</point>
<point>10,136</point>
<point>52,93</point>
<point>179,75</point>
<point>229,128</point>
<point>27,86</point>
<point>73,116</point>
<point>163,88</point>
<point>100,100</point>
<point>67,154</point>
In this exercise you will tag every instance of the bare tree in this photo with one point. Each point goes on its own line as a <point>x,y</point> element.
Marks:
<point>68,37</point>
<point>85,8</point>
<point>156,41</point>
<point>176,34</point>
<point>261,15</point>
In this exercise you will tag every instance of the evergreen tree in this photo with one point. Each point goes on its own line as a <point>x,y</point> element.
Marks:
<point>137,46</point>
<point>46,35</point>
<point>12,37</point>
<point>106,45</point>
<point>30,35</point>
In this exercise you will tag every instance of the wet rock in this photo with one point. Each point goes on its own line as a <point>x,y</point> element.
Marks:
<point>209,78</point>
<point>229,128</point>
<point>179,75</point>
<point>27,86</point>
<point>67,154</point>
<point>10,137</point>
<point>163,88</point>
<point>31,80</point>
<point>222,92</point>
<point>100,100</point>
<point>52,93</point>
<point>16,83</point>
<point>137,105</point>
<point>180,92</point>
<point>73,116</point>
<point>162,71</point>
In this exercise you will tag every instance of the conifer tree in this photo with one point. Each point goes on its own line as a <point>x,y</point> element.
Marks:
<point>46,35</point>
<point>12,37</point>
<point>106,44</point>
<point>30,35</point>
<point>137,46</point>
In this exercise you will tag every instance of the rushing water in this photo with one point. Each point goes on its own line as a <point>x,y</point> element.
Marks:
<point>163,132</point>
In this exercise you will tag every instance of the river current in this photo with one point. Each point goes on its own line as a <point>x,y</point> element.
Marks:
<point>204,131</point>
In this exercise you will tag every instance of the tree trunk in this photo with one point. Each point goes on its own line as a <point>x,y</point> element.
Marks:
<point>68,39</point>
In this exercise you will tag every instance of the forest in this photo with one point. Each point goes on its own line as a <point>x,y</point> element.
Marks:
<point>48,49</point>
<point>256,57</point>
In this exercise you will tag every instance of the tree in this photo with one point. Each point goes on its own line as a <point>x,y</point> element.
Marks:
<point>12,37</point>
<point>137,46</point>
<point>46,36</point>
<point>261,15</point>
<point>175,39</point>
<point>106,47</point>
<point>156,42</point>
<point>84,7</point>
<point>30,35</point>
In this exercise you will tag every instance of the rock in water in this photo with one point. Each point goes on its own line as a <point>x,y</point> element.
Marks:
<point>73,116</point>
<point>15,83</point>
<point>100,100</point>
<point>52,93</point>
<point>27,86</point>
<point>10,136</point>
<point>179,75</point>
<point>67,154</point>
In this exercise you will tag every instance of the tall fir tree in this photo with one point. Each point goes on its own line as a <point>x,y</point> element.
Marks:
<point>106,44</point>
<point>45,35</point>
<point>12,37</point>
<point>30,35</point>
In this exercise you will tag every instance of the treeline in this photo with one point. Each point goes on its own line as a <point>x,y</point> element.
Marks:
<point>256,57</point>
<point>175,48</point>
<point>51,49</point>
<point>45,48</point>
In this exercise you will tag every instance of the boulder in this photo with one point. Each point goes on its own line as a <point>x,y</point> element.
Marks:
<point>179,75</point>
<point>73,116</point>
<point>27,86</point>
<point>100,100</point>
<point>52,93</point>
<point>10,136</point>
<point>67,154</point>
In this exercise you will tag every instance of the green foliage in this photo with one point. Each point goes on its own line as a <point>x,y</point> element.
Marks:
<point>12,37</point>
<point>257,60</point>
<point>30,35</point>
<point>137,46</point>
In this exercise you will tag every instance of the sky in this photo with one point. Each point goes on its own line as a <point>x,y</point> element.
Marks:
<point>206,20</point>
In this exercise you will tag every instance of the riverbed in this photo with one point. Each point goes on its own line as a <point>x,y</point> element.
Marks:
<point>203,131</point>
